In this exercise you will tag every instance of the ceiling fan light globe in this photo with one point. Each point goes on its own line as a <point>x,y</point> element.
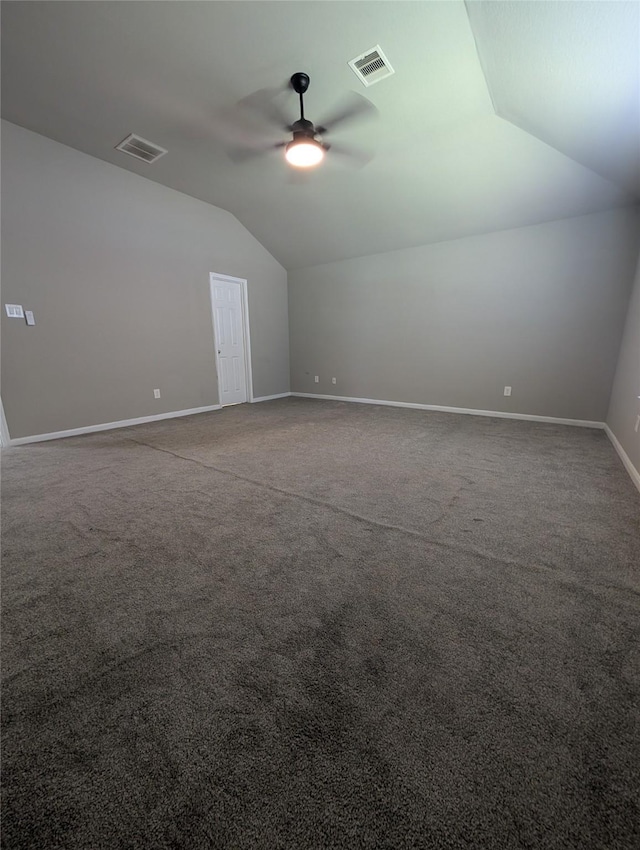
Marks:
<point>304,154</point>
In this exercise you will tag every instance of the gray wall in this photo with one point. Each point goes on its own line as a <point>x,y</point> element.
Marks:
<point>116,269</point>
<point>539,308</point>
<point>625,405</point>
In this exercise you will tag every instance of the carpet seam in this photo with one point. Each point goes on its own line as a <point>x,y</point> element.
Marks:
<point>337,509</point>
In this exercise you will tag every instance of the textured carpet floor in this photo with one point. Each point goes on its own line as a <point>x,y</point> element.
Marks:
<point>307,624</point>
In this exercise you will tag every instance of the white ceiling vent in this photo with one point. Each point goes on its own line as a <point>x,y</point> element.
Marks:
<point>141,148</point>
<point>372,66</point>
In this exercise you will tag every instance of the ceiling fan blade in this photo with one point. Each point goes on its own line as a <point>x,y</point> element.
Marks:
<point>358,157</point>
<point>355,107</point>
<point>245,154</point>
<point>264,104</point>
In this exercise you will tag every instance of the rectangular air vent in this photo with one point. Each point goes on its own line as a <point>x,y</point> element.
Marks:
<point>372,66</point>
<point>141,148</point>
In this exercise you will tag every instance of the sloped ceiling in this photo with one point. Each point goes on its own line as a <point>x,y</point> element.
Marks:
<point>500,114</point>
<point>567,72</point>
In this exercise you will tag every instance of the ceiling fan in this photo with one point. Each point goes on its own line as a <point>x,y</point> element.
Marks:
<point>308,146</point>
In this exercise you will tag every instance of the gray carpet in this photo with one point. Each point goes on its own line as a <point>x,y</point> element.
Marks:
<point>307,624</point>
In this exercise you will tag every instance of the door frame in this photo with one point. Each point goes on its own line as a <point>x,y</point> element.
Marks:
<point>246,338</point>
<point>5,438</point>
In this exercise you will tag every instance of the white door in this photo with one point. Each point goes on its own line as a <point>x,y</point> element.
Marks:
<point>4,431</point>
<point>226,299</point>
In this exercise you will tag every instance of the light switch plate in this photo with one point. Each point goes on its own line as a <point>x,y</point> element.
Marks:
<point>14,311</point>
<point>28,314</point>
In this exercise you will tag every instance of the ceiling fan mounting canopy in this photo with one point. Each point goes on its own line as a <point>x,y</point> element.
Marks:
<point>300,82</point>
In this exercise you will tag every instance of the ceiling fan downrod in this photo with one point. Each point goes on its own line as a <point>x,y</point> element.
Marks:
<point>300,83</point>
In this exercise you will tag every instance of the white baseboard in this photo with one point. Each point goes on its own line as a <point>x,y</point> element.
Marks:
<point>125,423</point>
<point>270,397</point>
<point>581,423</point>
<point>108,426</point>
<point>175,414</point>
<point>624,457</point>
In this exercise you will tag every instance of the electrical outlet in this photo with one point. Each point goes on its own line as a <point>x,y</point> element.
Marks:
<point>507,390</point>
<point>156,393</point>
<point>316,379</point>
<point>637,423</point>
<point>333,381</point>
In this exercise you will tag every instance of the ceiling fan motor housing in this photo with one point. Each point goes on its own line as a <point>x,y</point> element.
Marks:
<point>303,128</point>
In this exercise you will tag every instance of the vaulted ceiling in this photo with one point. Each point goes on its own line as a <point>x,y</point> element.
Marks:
<point>499,114</point>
